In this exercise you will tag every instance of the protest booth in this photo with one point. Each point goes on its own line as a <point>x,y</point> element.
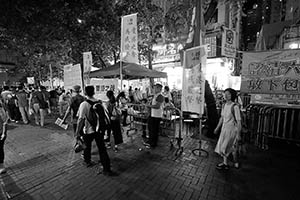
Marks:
<point>272,79</point>
<point>138,113</point>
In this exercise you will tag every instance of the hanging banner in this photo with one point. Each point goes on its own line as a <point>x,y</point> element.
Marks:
<point>193,84</point>
<point>72,76</point>
<point>87,66</point>
<point>228,43</point>
<point>129,39</point>
<point>272,72</point>
<point>87,61</point>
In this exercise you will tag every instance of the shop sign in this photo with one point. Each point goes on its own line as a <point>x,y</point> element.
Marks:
<point>228,43</point>
<point>211,42</point>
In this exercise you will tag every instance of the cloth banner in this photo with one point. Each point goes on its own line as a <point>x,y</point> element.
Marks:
<point>72,76</point>
<point>193,83</point>
<point>272,72</point>
<point>87,61</point>
<point>129,39</point>
<point>228,43</point>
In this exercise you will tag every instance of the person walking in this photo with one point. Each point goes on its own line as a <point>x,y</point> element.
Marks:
<point>91,132</point>
<point>73,108</point>
<point>6,95</point>
<point>115,114</point>
<point>22,102</point>
<point>39,100</point>
<point>231,128</point>
<point>3,134</point>
<point>156,116</point>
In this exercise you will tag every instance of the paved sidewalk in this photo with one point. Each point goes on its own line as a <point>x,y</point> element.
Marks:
<point>42,165</point>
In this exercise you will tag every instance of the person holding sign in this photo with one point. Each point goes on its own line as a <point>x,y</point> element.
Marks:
<point>230,122</point>
<point>156,116</point>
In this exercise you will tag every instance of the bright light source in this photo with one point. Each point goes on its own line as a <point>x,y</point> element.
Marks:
<point>294,46</point>
<point>79,20</point>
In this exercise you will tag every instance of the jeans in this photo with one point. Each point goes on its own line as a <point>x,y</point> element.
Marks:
<point>99,139</point>
<point>153,127</point>
<point>38,111</point>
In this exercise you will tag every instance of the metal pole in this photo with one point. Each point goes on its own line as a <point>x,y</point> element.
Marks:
<point>201,151</point>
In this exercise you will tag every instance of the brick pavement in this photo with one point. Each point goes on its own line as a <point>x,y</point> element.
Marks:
<point>42,165</point>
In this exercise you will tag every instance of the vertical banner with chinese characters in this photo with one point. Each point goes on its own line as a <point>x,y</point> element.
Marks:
<point>129,39</point>
<point>87,61</point>
<point>228,43</point>
<point>193,83</point>
<point>87,65</point>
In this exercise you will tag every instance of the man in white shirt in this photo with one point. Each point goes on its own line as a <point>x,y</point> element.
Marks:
<point>156,116</point>
<point>91,133</point>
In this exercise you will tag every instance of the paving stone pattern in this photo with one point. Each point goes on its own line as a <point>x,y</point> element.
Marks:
<point>42,165</point>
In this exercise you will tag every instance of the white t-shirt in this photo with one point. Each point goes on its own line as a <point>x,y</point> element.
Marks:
<point>158,113</point>
<point>83,112</point>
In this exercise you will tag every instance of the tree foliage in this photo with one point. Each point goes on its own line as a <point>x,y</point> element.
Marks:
<point>57,32</point>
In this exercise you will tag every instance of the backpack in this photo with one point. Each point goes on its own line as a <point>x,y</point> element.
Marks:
<point>98,116</point>
<point>243,120</point>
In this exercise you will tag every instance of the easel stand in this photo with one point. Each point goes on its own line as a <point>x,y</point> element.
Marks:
<point>199,151</point>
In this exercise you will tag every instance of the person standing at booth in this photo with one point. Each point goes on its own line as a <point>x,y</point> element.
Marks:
<point>156,116</point>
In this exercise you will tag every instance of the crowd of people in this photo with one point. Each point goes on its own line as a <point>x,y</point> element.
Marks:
<point>97,120</point>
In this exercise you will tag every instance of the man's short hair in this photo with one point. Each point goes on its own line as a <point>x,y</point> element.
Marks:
<point>90,90</point>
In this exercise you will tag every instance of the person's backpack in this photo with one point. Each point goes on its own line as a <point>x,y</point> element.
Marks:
<point>98,116</point>
<point>243,120</point>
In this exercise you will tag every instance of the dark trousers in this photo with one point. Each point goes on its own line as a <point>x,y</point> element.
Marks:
<point>153,127</point>
<point>99,139</point>
<point>2,151</point>
<point>124,114</point>
<point>115,129</point>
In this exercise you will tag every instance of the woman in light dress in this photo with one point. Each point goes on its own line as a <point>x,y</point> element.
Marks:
<point>230,121</point>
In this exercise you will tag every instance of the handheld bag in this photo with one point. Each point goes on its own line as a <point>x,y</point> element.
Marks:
<point>79,145</point>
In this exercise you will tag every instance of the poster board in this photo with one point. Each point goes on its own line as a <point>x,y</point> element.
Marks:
<point>193,84</point>
<point>72,76</point>
<point>102,86</point>
<point>274,75</point>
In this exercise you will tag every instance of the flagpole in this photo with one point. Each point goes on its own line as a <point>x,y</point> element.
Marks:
<point>201,152</point>
<point>121,55</point>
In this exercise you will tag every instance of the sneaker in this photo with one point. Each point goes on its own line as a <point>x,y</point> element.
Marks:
<point>222,166</point>
<point>2,168</point>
